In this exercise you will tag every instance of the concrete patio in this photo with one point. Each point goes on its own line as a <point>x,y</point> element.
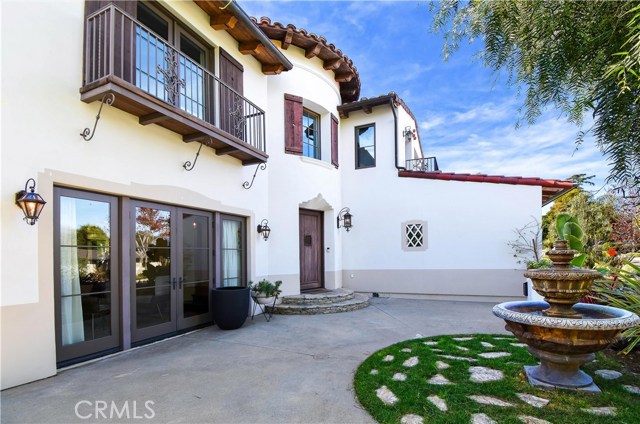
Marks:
<point>294,369</point>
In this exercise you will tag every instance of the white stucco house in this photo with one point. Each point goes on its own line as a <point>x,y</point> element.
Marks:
<point>211,122</point>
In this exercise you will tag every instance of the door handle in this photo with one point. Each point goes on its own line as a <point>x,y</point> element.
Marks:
<point>174,283</point>
<point>180,283</point>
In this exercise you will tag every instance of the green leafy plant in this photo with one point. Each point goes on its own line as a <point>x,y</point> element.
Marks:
<point>622,291</point>
<point>265,288</point>
<point>569,229</point>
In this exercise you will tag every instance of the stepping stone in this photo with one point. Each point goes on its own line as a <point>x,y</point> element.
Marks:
<point>491,355</point>
<point>462,339</point>
<point>374,372</point>
<point>411,419</point>
<point>483,374</point>
<point>532,420</point>
<point>436,350</point>
<point>487,345</point>
<point>387,358</point>
<point>406,349</point>
<point>399,376</point>
<point>442,365</point>
<point>532,400</point>
<point>462,348</point>
<point>489,400</point>
<point>418,336</point>
<point>411,362</point>
<point>606,410</point>
<point>438,402</point>
<point>519,344</point>
<point>458,358</point>
<point>439,380</point>
<point>430,343</point>
<point>632,389</point>
<point>482,419</point>
<point>503,338</point>
<point>609,374</point>
<point>386,396</point>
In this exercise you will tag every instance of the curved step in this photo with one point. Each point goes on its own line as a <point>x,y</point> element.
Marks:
<point>358,301</point>
<point>338,295</point>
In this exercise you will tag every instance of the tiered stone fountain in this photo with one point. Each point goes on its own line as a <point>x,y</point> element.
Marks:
<point>562,333</point>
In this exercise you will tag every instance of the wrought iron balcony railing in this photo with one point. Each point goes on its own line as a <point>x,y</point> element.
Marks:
<point>121,50</point>
<point>429,164</point>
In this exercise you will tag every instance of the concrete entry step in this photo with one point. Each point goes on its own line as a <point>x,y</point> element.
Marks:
<point>330,296</point>
<point>357,301</point>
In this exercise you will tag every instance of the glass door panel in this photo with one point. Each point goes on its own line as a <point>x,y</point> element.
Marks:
<point>232,255</point>
<point>153,291</point>
<point>87,310</point>
<point>195,269</point>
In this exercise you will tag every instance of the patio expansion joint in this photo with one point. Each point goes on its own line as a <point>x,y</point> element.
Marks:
<point>392,316</point>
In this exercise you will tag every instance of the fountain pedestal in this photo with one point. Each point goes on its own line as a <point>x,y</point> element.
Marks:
<point>562,333</point>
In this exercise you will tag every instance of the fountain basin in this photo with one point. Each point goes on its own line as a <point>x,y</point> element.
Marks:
<point>564,344</point>
<point>562,288</point>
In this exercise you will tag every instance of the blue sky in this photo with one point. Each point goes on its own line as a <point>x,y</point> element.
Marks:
<point>466,114</point>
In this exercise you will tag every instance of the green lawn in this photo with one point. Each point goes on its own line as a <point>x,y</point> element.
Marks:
<point>564,407</point>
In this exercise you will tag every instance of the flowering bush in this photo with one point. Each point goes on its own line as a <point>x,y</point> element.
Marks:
<point>621,290</point>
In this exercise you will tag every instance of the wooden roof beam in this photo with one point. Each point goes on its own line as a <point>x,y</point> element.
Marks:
<point>276,69</point>
<point>332,64</point>
<point>226,150</point>
<point>313,51</point>
<point>152,118</point>
<point>346,77</point>
<point>343,114</point>
<point>223,22</point>
<point>367,109</point>
<point>199,136</point>
<point>251,47</point>
<point>288,38</point>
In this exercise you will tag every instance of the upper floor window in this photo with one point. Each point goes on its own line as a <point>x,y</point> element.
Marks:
<point>310,134</point>
<point>302,135</point>
<point>366,146</point>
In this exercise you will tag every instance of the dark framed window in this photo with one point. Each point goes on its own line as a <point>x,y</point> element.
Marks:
<point>171,62</point>
<point>310,134</point>
<point>366,146</point>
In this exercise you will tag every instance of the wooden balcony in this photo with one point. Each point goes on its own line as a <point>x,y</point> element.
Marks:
<point>157,83</point>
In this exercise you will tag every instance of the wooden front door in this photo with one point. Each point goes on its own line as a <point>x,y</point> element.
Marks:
<point>311,246</point>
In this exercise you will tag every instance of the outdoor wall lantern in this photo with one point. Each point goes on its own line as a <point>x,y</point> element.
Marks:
<point>345,217</point>
<point>408,134</point>
<point>30,202</point>
<point>264,230</point>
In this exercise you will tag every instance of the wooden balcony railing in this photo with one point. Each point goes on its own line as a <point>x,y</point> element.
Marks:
<point>161,85</point>
<point>429,164</point>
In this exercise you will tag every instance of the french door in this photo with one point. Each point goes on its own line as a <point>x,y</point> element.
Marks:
<point>86,274</point>
<point>171,269</point>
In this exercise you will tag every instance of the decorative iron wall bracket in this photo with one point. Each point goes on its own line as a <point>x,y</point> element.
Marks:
<point>88,134</point>
<point>247,185</point>
<point>188,165</point>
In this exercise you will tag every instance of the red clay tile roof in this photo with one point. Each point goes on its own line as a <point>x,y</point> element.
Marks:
<point>316,46</point>
<point>551,189</point>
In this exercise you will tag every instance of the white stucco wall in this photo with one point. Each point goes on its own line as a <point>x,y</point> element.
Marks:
<point>298,182</point>
<point>42,117</point>
<point>468,225</point>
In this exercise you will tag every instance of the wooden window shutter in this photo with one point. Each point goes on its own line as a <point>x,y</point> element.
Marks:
<point>334,140</point>
<point>293,124</point>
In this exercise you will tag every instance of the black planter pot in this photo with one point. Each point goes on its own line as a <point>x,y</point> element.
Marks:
<point>230,306</point>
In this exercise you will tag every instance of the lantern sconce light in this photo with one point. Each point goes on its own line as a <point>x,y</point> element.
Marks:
<point>409,134</point>
<point>30,202</point>
<point>345,217</point>
<point>264,230</point>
